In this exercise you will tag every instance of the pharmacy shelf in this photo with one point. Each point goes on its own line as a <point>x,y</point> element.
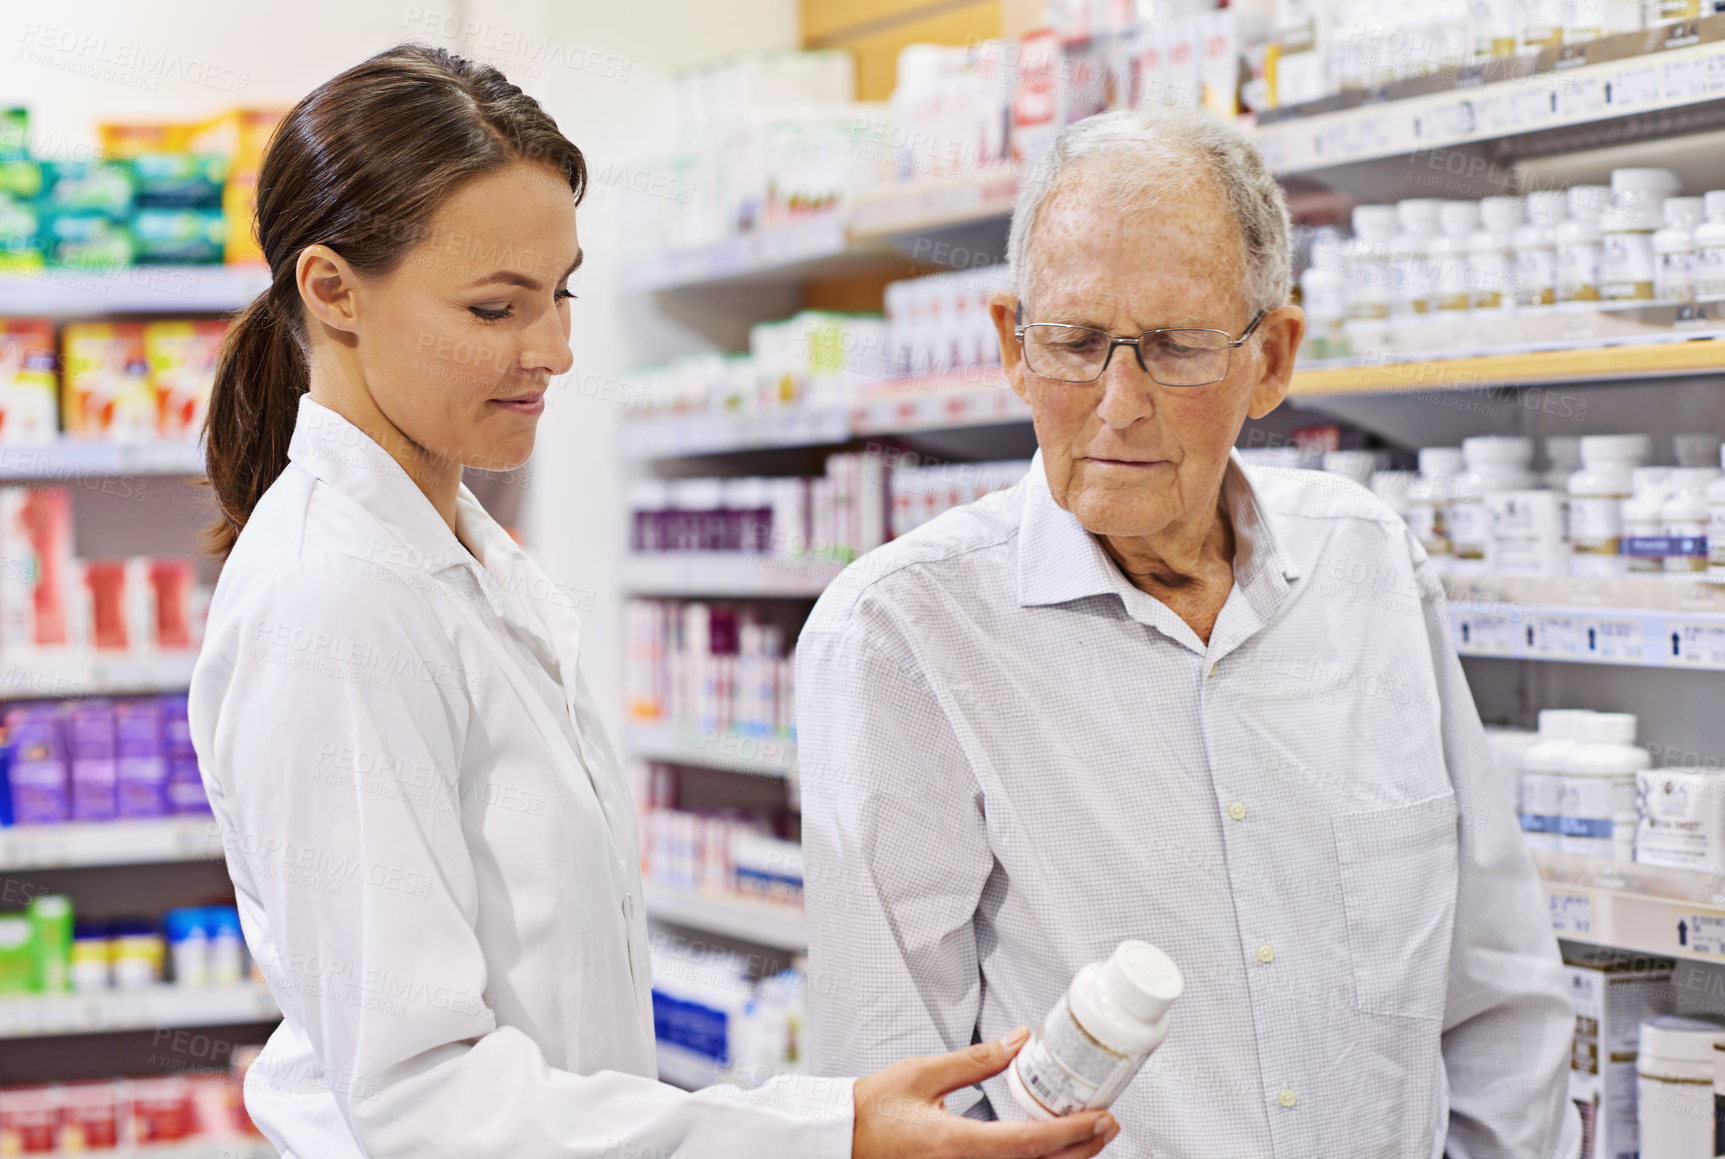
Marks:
<point>682,1067</point>
<point>243,1147</point>
<point>783,927</point>
<point>734,574</point>
<point>151,1008</point>
<point>933,205</point>
<point>759,756</point>
<point>1681,67</point>
<point>133,290</point>
<point>1656,622</point>
<point>906,406</point>
<point>817,245</point>
<point>1680,357</point>
<point>72,460</point>
<point>68,672</point>
<point>1630,906</point>
<point>91,843</point>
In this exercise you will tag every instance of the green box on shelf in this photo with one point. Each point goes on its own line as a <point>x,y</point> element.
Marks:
<point>17,955</point>
<point>21,177</point>
<point>180,180</point>
<point>14,133</point>
<point>106,187</point>
<point>86,241</point>
<point>50,916</point>
<point>19,224</point>
<point>169,237</point>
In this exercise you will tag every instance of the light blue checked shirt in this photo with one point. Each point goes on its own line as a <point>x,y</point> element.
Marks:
<point>1012,759</point>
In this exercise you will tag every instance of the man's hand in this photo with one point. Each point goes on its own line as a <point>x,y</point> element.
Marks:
<point>899,1114</point>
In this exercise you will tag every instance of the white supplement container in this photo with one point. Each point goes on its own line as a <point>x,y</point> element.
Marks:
<point>1495,463</point>
<point>1412,289</point>
<point>1562,459</point>
<point>1674,250</point>
<point>1430,496</point>
<point>1578,242</point>
<point>1710,248</point>
<point>1682,819</point>
<point>1527,533</point>
<point>1643,522</point>
<point>1111,1018</point>
<point>1536,248</point>
<point>1599,787</point>
<point>1324,294</point>
<point>1674,1086</point>
<point>1696,449</point>
<point>1369,269</point>
<point>1627,229</point>
<point>1491,251</point>
<point>1685,518</point>
<point>1540,799</point>
<point>1716,521</point>
<point>1457,223</point>
<point>1596,495</point>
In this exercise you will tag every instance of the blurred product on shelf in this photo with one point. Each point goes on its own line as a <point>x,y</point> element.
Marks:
<point>98,759</point>
<point>44,951</point>
<point>745,1030</point>
<point>29,384</point>
<point>134,382</point>
<point>951,111</point>
<point>159,194</point>
<point>729,852</point>
<point>940,324</point>
<point>710,668</point>
<point>1613,994</point>
<point>919,493</point>
<point>99,1117</point>
<point>138,606</point>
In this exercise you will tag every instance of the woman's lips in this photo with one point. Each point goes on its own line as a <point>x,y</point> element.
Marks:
<point>526,404</point>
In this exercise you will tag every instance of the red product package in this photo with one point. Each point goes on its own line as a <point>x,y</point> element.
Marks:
<point>29,1120</point>
<point>160,1109</point>
<point>89,1117</point>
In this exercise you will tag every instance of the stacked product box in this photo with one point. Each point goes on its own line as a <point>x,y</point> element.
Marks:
<point>709,1006</point>
<point>106,1115</point>
<point>44,950</point>
<point>1612,992</point>
<point>100,759</point>
<point>136,382</point>
<point>919,492</point>
<point>716,669</point>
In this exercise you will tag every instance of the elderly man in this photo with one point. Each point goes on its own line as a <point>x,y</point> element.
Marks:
<point>1152,693</point>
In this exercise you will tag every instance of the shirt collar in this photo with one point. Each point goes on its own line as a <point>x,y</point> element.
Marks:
<point>1058,560</point>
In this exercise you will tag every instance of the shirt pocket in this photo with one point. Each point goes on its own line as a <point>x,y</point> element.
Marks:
<point>1398,877</point>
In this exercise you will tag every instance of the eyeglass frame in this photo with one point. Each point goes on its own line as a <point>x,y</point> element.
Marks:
<point>1114,342</point>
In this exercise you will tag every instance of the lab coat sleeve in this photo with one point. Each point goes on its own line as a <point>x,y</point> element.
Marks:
<point>1508,1023</point>
<point>368,887</point>
<point>896,854</point>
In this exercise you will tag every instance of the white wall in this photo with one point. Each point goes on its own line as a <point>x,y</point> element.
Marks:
<point>601,68</point>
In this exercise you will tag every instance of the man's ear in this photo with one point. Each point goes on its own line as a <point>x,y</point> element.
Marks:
<point>329,288</point>
<point>1279,336</point>
<point>1003,309</point>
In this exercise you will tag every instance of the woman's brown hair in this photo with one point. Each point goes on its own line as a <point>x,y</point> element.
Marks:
<point>360,165</point>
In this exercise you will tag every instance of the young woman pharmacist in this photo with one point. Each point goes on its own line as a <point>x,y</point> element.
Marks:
<point>433,850</point>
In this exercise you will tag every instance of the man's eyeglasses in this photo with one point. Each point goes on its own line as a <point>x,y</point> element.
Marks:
<point>1179,357</point>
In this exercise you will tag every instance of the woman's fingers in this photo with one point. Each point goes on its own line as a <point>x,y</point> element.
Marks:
<point>1074,1135</point>
<point>940,1074</point>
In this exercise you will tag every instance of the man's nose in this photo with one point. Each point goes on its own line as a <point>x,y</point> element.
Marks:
<point>1127,391</point>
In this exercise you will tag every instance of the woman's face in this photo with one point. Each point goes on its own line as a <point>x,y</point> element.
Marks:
<point>460,341</point>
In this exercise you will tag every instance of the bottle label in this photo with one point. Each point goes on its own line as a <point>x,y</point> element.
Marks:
<point>1716,536</point>
<point>1067,1070</point>
<point>1469,529</point>
<point>1578,273</point>
<point>1596,524</point>
<point>1710,273</point>
<point>1682,819</point>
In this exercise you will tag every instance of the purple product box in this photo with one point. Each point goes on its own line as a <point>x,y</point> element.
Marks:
<point>95,769</point>
<point>141,758</point>
<point>41,780</point>
<point>185,788</point>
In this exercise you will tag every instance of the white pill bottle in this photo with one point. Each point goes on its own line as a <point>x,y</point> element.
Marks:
<point>1112,1017</point>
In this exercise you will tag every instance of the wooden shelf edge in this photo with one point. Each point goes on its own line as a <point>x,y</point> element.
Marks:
<point>1630,360</point>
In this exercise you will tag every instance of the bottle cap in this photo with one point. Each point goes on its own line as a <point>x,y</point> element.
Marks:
<point>1563,452</point>
<point>1547,206</point>
<point>1636,196</point>
<point>1649,479</point>
<point>1679,1038</point>
<point>1598,450</point>
<point>1459,217</point>
<point>1418,214</point>
<point>1691,478</point>
<point>1497,450</point>
<point>1440,462</point>
<point>1561,723</point>
<point>1607,728</point>
<point>1141,980</point>
<point>1375,222</point>
<point>1500,215</point>
<point>1695,450</point>
<point>1682,212</point>
<point>1713,202</point>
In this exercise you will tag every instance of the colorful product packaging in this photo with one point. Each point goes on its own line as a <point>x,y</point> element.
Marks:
<point>179,180</point>
<point>93,242</point>
<point>20,243</point>
<point>141,760</point>
<point>40,768</point>
<point>107,392</point>
<point>179,237</point>
<point>29,1120</point>
<point>29,387</point>
<point>50,917</point>
<point>185,787</point>
<point>90,968</point>
<point>105,187</point>
<point>182,357</point>
<point>17,959</point>
<point>21,178</point>
<point>95,771</point>
<point>161,1109</point>
<point>14,133</point>
<point>89,1117</point>
<point>35,566</point>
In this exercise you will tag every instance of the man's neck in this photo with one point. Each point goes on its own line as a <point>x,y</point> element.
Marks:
<point>1188,565</point>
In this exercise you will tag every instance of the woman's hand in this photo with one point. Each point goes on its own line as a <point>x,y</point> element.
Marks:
<point>899,1114</point>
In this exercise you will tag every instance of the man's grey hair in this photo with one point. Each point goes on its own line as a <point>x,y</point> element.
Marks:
<point>1140,154</point>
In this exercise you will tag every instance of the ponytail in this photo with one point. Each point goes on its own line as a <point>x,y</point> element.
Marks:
<point>259,379</point>
<point>360,165</point>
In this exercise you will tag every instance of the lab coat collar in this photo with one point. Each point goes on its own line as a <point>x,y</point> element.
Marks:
<point>351,462</point>
<point>1058,560</point>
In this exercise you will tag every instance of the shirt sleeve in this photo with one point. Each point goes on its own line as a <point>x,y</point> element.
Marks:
<point>1508,1023</point>
<point>372,899</point>
<point>896,855</point>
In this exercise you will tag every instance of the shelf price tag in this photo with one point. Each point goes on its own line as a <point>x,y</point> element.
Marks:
<point>1553,636</point>
<point>1701,933</point>
<point>1697,645</point>
<point>1582,96</point>
<point>1613,638</point>
<point>1571,913</point>
<point>1484,634</point>
<point>1530,108</point>
<point>1684,80</point>
<point>1635,86</point>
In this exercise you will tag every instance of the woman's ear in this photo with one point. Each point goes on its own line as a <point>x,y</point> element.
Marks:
<point>328,287</point>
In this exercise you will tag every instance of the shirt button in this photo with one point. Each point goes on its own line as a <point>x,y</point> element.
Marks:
<point>1237,811</point>
<point>1286,1098</point>
<point>1266,953</point>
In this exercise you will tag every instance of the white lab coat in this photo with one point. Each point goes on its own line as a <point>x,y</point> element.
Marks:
<point>433,849</point>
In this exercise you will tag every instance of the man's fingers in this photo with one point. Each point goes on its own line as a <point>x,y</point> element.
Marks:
<point>1032,1140</point>
<point>939,1075</point>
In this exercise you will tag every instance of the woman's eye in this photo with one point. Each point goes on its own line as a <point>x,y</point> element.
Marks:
<point>490,314</point>
<point>563,295</point>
